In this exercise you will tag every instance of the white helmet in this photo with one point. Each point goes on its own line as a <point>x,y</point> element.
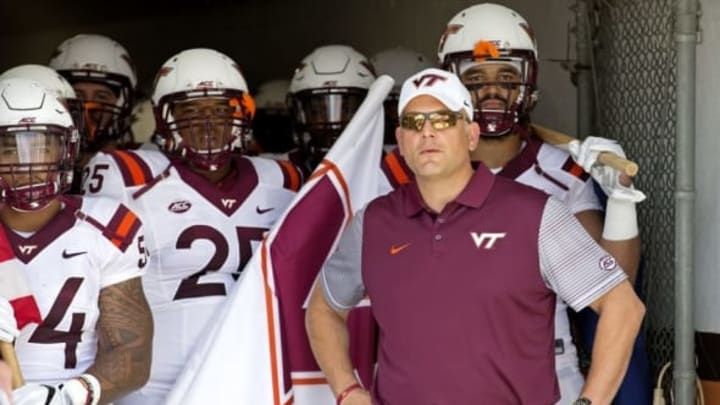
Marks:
<point>201,74</point>
<point>46,76</point>
<point>399,63</point>
<point>493,33</point>
<point>33,125</point>
<point>99,59</point>
<point>55,83</point>
<point>327,88</point>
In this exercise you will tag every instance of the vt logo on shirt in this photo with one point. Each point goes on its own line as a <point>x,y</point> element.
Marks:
<point>486,240</point>
<point>228,202</point>
<point>27,249</point>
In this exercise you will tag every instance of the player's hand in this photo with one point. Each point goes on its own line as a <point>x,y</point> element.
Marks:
<point>614,183</point>
<point>8,324</point>
<point>358,397</point>
<point>71,392</point>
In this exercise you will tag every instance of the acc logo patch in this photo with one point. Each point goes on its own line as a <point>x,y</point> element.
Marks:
<point>179,207</point>
<point>608,263</point>
<point>205,84</point>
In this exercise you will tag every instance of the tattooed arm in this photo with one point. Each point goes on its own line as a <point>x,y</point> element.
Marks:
<point>125,332</point>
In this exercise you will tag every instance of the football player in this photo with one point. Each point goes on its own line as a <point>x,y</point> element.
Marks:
<point>325,92</point>
<point>493,50</point>
<point>206,208</point>
<point>82,257</point>
<point>104,78</point>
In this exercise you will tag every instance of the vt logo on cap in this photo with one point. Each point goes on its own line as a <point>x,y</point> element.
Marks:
<point>428,80</point>
<point>443,85</point>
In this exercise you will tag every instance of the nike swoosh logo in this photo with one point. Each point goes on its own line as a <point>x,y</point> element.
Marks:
<point>67,255</point>
<point>262,211</point>
<point>397,249</point>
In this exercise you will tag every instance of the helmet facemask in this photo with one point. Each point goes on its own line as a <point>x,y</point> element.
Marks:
<point>103,121</point>
<point>36,164</point>
<point>205,126</point>
<point>322,114</point>
<point>502,84</point>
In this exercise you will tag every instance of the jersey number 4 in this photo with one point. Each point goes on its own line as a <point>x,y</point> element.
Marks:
<point>47,332</point>
<point>190,287</point>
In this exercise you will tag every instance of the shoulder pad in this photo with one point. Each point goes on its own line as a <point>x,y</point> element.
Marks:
<point>138,167</point>
<point>115,221</point>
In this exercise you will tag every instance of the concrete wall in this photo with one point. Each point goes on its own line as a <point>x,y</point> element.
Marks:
<point>268,38</point>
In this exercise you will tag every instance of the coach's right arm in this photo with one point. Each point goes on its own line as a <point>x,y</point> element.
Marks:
<point>337,290</point>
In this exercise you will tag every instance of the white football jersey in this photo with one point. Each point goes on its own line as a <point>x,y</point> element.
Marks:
<point>92,243</point>
<point>557,174</point>
<point>199,238</point>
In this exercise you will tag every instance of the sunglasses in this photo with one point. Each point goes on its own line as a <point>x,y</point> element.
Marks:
<point>439,120</point>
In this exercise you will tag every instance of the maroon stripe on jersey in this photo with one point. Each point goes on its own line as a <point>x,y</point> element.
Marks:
<point>231,192</point>
<point>297,253</point>
<point>134,170</point>
<point>523,161</point>
<point>26,249</point>
<point>576,170</point>
<point>292,178</point>
<point>396,170</point>
<point>122,228</point>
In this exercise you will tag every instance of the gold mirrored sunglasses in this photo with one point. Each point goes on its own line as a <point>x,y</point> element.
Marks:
<point>439,120</point>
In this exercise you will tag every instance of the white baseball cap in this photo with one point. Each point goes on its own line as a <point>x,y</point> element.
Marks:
<point>441,84</point>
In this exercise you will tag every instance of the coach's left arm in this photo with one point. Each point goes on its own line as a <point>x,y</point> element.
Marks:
<point>621,313</point>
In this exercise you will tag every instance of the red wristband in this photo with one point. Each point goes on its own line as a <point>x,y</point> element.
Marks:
<point>344,394</point>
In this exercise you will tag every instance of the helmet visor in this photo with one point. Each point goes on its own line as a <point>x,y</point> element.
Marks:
<point>328,106</point>
<point>31,147</point>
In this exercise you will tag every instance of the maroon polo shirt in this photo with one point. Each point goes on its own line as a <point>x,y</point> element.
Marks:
<point>464,313</point>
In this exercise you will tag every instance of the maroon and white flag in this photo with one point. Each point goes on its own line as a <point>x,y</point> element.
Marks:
<point>257,351</point>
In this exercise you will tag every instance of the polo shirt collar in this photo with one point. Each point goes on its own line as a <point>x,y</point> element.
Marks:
<point>473,195</point>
